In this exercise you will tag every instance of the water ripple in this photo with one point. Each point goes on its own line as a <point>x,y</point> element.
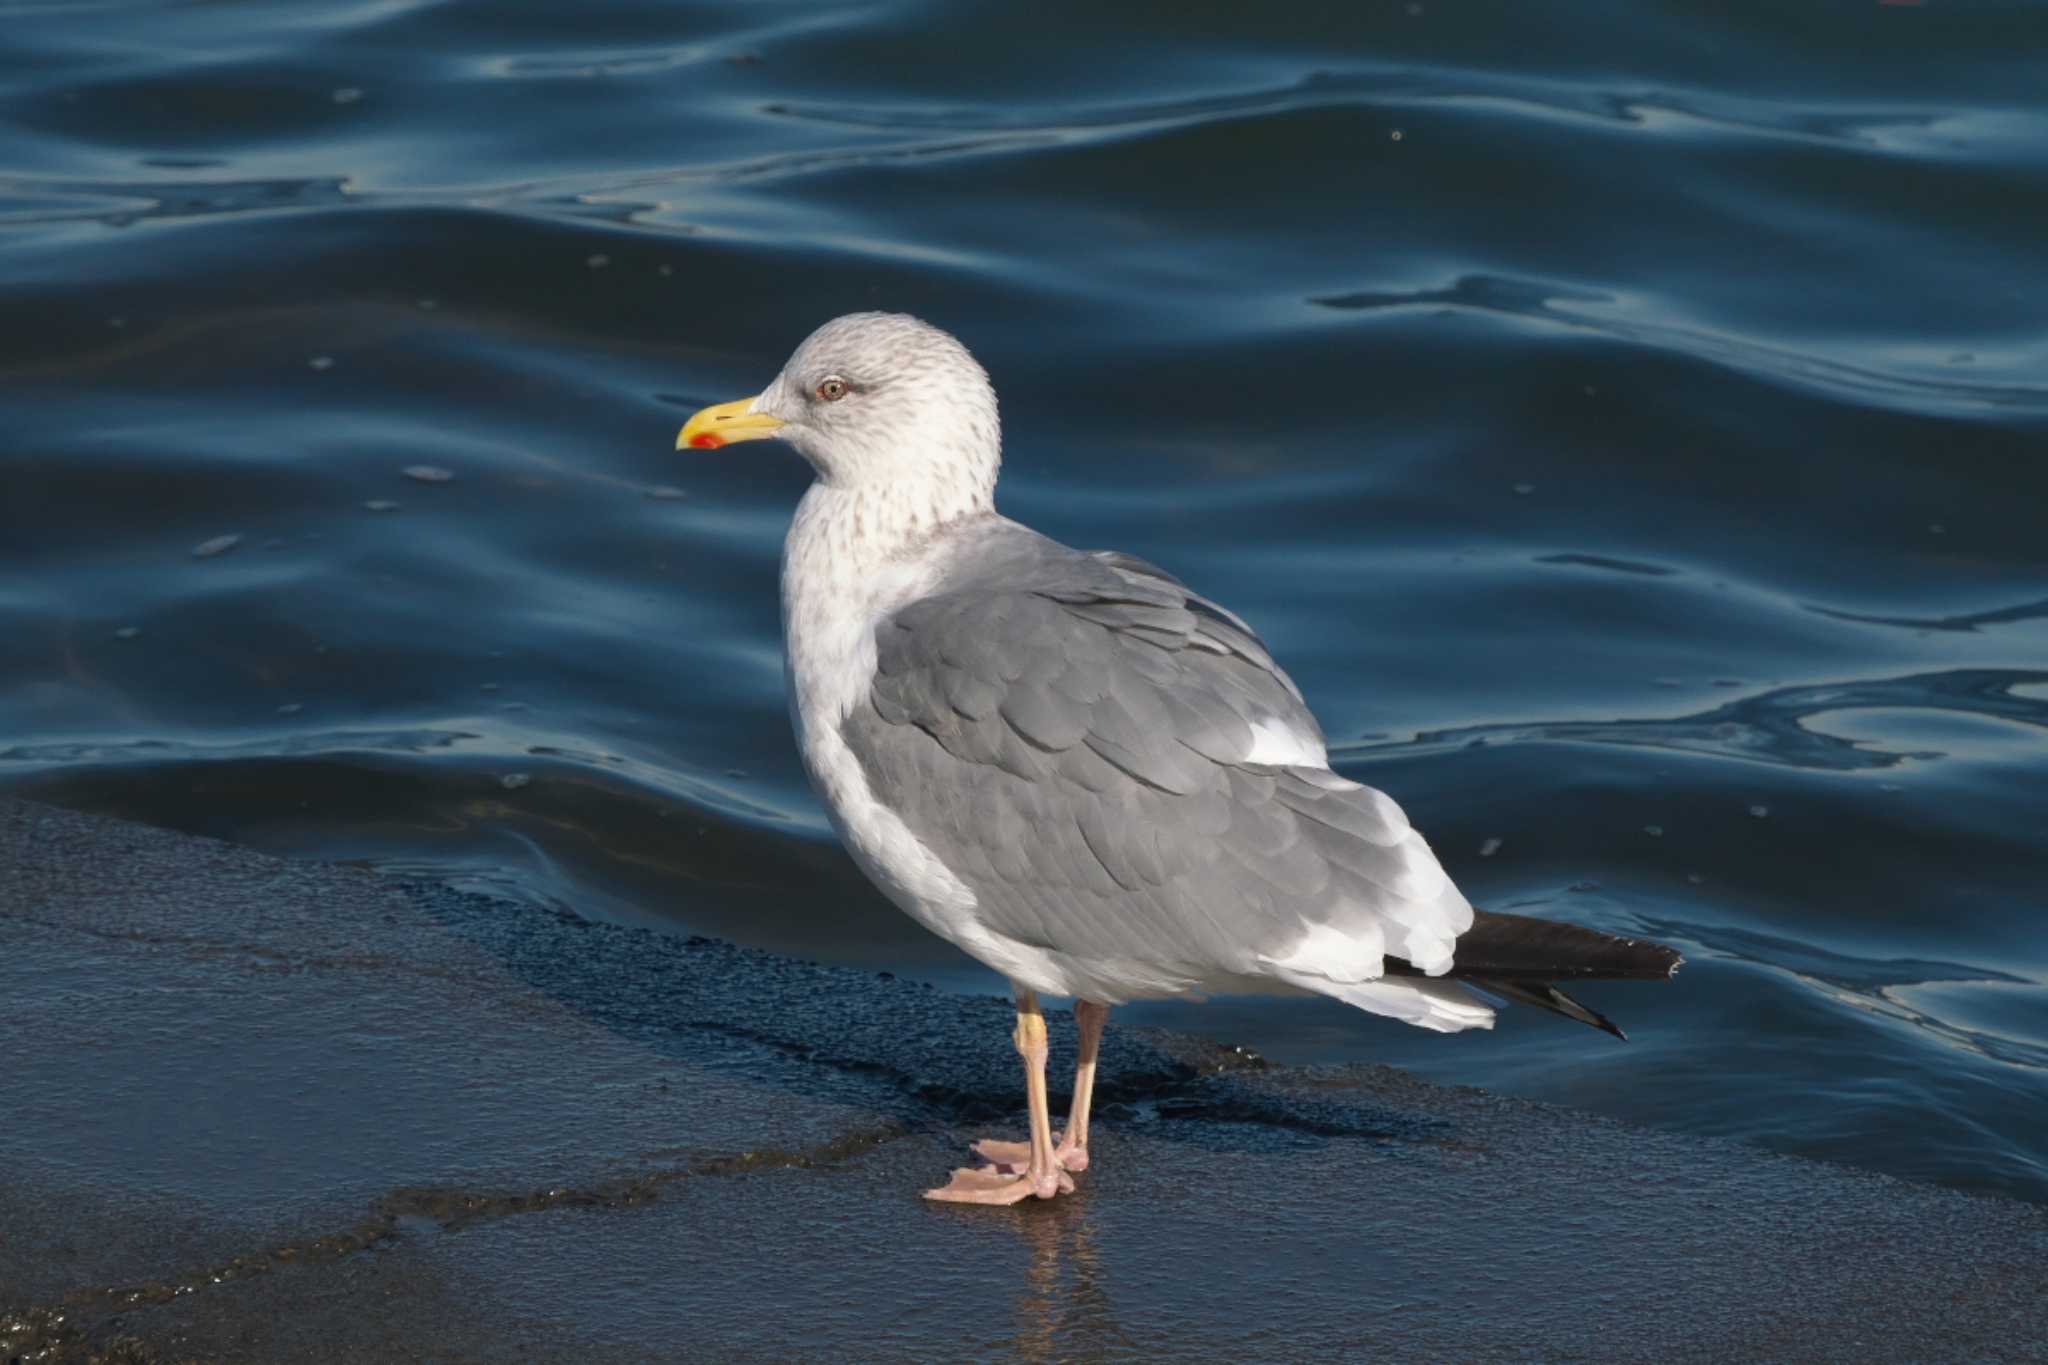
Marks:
<point>1553,305</point>
<point>473,748</point>
<point>1667,111</point>
<point>1769,727</point>
<point>1609,563</point>
<point>122,203</point>
<point>1970,621</point>
<point>1929,995</point>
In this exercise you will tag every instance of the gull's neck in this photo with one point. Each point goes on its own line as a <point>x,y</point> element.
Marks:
<point>855,552</point>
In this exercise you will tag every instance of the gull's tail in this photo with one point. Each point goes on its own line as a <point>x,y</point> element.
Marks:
<point>1520,959</point>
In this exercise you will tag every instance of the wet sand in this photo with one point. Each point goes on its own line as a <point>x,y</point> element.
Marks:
<point>271,1111</point>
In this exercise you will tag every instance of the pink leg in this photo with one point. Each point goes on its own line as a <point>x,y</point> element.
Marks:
<point>1073,1148</point>
<point>1042,1175</point>
<point>1072,1152</point>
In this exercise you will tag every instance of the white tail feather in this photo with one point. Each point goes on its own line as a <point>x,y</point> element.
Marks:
<point>1440,1006</point>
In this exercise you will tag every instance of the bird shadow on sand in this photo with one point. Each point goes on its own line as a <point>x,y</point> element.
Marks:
<point>909,1053</point>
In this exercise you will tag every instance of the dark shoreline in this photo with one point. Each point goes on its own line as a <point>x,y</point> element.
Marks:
<point>263,1110</point>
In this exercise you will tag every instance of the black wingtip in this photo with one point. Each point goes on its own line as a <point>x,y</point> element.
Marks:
<point>1521,959</point>
<point>1522,948</point>
<point>1548,997</point>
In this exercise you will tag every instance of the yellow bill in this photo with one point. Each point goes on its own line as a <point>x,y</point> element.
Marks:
<point>723,423</point>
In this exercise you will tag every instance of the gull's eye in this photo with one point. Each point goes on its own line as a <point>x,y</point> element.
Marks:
<point>833,389</point>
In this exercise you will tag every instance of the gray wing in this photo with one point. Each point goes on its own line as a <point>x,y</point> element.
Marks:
<point>1072,735</point>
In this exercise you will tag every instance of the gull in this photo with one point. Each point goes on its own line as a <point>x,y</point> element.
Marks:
<point>1085,774</point>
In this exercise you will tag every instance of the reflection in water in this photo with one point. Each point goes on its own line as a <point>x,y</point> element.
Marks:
<point>1064,1308</point>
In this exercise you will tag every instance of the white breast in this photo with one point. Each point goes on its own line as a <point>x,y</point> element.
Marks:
<point>835,589</point>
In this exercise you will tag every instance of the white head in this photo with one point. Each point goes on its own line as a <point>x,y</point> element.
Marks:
<point>876,401</point>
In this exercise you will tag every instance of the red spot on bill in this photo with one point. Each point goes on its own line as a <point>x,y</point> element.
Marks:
<point>707,440</point>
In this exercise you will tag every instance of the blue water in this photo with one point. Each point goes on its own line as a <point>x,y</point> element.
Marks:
<point>1625,420</point>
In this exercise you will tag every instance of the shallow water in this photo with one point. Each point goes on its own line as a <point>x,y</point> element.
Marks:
<point>1625,421</point>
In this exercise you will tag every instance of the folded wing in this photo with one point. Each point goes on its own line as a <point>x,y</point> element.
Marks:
<point>1135,793</point>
